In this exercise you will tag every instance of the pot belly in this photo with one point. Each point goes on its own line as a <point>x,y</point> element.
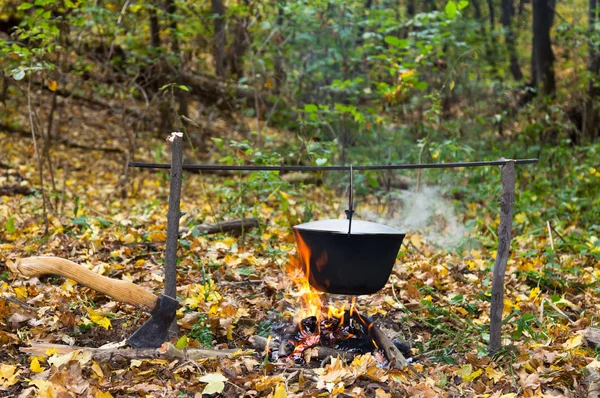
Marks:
<point>342,264</point>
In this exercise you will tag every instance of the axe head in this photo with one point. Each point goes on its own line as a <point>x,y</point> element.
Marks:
<point>155,331</point>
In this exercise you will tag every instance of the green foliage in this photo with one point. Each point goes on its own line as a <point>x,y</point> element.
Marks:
<point>201,331</point>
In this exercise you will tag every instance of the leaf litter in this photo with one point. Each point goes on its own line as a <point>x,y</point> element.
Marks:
<point>234,287</point>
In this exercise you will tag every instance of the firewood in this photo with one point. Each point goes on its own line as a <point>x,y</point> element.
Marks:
<point>260,344</point>
<point>167,351</point>
<point>235,226</point>
<point>392,353</point>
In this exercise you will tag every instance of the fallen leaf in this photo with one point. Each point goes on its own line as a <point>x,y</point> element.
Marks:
<point>35,366</point>
<point>8,376</point>
<point>215,383</point>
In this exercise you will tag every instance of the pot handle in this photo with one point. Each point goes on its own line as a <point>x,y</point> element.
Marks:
<point>350,210</point>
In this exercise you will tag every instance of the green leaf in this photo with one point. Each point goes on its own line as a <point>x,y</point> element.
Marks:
<point>321,161</point>
<point>452,85</point>
<point>182,342</point>
<point>184,88</point>
<point>25,6</point>
<point>450,9</point>
<point>311,108</point>
<point>396,42</point>
<point>10,225</point>
<point>462,4</point>
<point>216,383</point>
<point>421,86</point>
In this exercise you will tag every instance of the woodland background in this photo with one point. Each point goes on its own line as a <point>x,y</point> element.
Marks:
<point>88,86</point>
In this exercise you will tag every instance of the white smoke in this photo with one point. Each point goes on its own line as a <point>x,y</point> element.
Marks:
<point>426,212</point>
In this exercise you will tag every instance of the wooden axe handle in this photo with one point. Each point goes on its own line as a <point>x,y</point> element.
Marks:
<point>119,290</point>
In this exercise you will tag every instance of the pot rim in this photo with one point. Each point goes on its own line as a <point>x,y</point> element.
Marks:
<point>340,226</point>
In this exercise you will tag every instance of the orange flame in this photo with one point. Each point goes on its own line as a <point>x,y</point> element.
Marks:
<point>310,301</point>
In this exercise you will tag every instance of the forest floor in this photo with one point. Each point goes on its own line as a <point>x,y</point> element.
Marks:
<point>234,287</point>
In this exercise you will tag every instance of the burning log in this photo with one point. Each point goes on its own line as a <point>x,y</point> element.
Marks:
<point>393,354</point>
<point>344,332</point>
<point>260,344</point>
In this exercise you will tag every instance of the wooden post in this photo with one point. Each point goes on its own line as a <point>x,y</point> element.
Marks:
<point>506,200</point>
<point>173,216</point>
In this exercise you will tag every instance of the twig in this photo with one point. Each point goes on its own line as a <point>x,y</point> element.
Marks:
<point>550,234</point>
<point>14,300</point>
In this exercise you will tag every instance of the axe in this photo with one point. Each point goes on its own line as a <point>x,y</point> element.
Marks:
<point>162,308</point>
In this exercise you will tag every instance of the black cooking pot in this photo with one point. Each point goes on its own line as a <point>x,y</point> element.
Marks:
<point>347,256</point>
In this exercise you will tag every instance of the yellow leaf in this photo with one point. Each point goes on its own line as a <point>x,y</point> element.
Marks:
<point>534,292</point>
<point>35,366</point>
<point>68,286</point>
<point>45,388</point>
<point>465,371</point>
<point>97,369</point>
<point>494,374</point>
<point>280,391</point>
<point>21,293</point>
<point>182,342</point>
<point>100,394</point>
<point>52,85</point>
<point>573,342</point>
<point>473,375</point>
<point>51,351</point>
<point>99,319</point>
<point>8,377</point>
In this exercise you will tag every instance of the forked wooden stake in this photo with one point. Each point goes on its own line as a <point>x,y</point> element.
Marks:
<point>507,199</point>
<point>173,216</point>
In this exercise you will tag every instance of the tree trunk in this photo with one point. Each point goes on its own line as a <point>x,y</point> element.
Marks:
<point>489,52</point>
<point>590,110</point>
<point>154,28</point>
<point>240,45</point>
<point>280,75</point>
<point>508,12</point>
<point>542,55</point>
<point>171,10</point>
<point>492,14</point>
<point>219,45</point>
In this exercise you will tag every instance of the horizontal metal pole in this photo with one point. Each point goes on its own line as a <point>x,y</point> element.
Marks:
<point>332,168</point>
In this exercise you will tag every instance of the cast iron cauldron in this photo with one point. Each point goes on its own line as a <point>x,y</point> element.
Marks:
<point>347,256</point>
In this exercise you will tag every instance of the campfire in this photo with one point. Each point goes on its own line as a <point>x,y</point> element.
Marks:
<point>324,327</point>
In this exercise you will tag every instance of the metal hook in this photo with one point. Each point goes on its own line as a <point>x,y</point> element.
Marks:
<point>350,210</point>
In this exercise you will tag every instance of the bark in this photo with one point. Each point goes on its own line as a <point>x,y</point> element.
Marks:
<point>237,226</point>
<point>492,9</point>
<point>508,12</point>
<point>392,353</point>
<point>167,351</point>
<point>173,217</point>
<point>489,52</point>
<point>154,29</point>
<point>280,75</point>
<point>172,10</point>
<point>218,10</point>
<point>590,110</point>
<point>506,200</point>
<point>542,54</point>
